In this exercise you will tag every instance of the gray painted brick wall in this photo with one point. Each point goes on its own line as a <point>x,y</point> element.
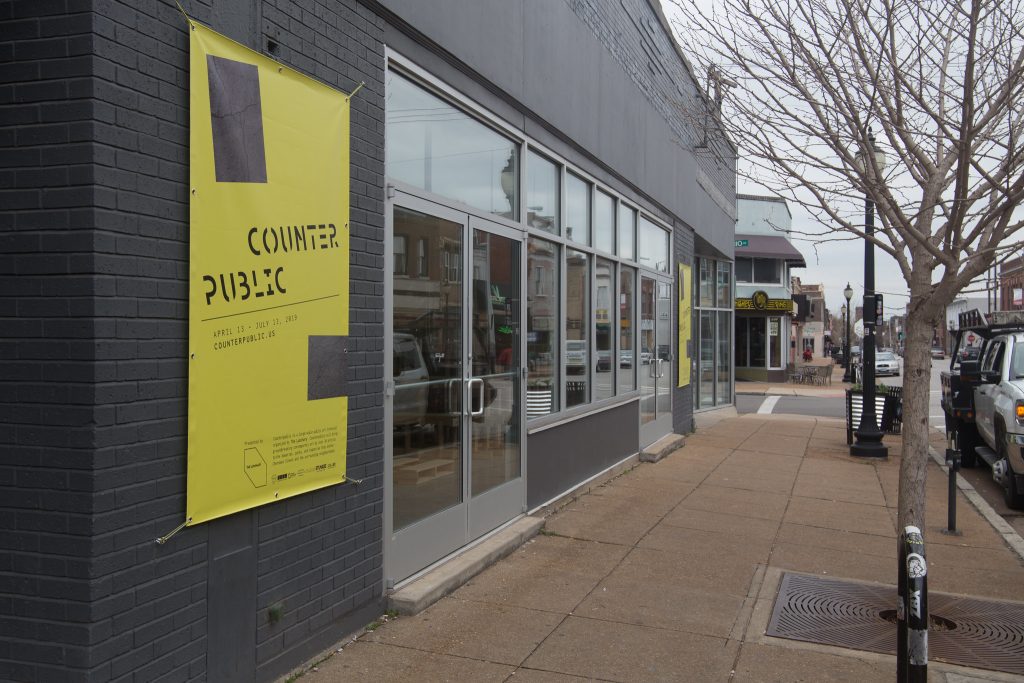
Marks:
<point>631,31</point>
<point>48,408</point>
<point>93,339</point>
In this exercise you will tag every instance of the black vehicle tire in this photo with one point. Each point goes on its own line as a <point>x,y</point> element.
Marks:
<point>1012,494</point>
<point>967,438</point>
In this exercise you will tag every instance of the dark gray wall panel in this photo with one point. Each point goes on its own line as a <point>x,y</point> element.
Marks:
<point>561,457</point>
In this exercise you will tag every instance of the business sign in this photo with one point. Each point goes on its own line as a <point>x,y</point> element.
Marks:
<point>742,243</point>
<point>268,280</point>
<point>760,301</point>
<point>685,295</point>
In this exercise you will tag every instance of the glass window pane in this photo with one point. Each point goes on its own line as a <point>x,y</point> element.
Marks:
<point>723,392</point>
<point>577,328</point>
<point>724,284</point>
<point>647,344</point>
<point>627,232</point>
<point>432,145</point>
<point>577,209</point>
<point>424,262</point>
<point>664,351</point>
<point>427,364</point>
<point>757,342</point>
<point>495,348</point>
<point>707,286</point>
<point>741,342</point>
<point>775,341</point>
<point>604,222</point>
<point>767,270</point>
<point>604,335</point>
<point>744,270</point>
<point>542,266</point>
<point>653,246</point>
<point>707,359</point>
<point>542,194</point>
<point>627,361</point>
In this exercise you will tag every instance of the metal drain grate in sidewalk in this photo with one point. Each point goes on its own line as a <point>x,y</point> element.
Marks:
<point>984,634</point>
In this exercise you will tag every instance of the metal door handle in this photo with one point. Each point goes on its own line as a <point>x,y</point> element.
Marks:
<point>449,394</point>
<point>476,381</point>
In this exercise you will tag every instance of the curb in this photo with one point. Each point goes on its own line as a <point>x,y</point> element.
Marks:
<point>1002,527</point>
<point>424,591</point>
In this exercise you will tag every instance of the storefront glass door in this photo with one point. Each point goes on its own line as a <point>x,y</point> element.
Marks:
<point>454,403</point>
<point>656,379</point>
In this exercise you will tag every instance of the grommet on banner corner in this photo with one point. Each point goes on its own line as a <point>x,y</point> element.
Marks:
<point>163,539</point>
<point>187,18</point>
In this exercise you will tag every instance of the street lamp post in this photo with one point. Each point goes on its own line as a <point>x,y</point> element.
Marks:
<point>868,435</point>
<point>847,373</point>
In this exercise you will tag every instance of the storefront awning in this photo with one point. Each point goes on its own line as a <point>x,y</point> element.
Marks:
<point>770,246</point>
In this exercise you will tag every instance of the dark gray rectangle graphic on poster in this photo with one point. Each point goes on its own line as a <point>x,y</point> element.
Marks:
<point>327,365</point>
<point>236,117</point>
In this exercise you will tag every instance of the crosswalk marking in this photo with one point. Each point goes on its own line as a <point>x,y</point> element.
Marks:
<point>768,406</point>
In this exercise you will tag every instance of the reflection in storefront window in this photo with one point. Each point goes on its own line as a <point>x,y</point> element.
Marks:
<point>434,146</point>
<point>604,222</point>
<point>757,342</point>
<point>542,194</point>
<point>604,292</point>
<point>577,209</point>
<point>542,327</point>
<point>627,325</point>
<point>627,232</point>
<point>723,389</point>
<point>577,325</point>
<point>654,249</point>
<point>707,359</point>
<point>775,341</point>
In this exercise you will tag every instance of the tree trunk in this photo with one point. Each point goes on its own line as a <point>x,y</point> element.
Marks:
<point>917,365</point>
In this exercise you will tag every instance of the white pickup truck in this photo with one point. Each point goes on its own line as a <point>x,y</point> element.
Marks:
<point>984,401</point>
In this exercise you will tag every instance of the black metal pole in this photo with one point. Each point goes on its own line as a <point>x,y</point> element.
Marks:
<point>868,435</point>
<point>847,377</point>
<point>953,461</point>
<point>916,606</point>
<point>901,608</point>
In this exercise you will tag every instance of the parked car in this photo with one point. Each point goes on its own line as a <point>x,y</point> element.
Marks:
<point>886,363</point>
<point>937,352</point>
<point>626,358</point>
<point>410,375</point>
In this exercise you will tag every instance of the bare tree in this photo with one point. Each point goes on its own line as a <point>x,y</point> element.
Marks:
<point>938,83</point>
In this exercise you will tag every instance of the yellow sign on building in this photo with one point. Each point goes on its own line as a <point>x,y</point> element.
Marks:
<point>268,280</point>
<point>685,296</point>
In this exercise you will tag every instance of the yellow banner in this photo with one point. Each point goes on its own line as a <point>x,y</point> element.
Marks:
<point>685,295</point>
<point>268,280</point>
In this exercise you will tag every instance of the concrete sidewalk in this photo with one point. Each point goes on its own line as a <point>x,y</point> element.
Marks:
<point>834,390</point>
<point>669,572</point>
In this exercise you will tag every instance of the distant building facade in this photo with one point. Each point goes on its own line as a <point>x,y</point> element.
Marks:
<point>765,258</point>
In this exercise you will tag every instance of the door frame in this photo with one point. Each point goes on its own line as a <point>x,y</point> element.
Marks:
<point>419,539</point>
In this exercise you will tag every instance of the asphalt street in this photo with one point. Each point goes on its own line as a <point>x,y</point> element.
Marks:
<point>980,477</point>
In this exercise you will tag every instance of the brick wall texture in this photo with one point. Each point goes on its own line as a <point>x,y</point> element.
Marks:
<point>93,339</point>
